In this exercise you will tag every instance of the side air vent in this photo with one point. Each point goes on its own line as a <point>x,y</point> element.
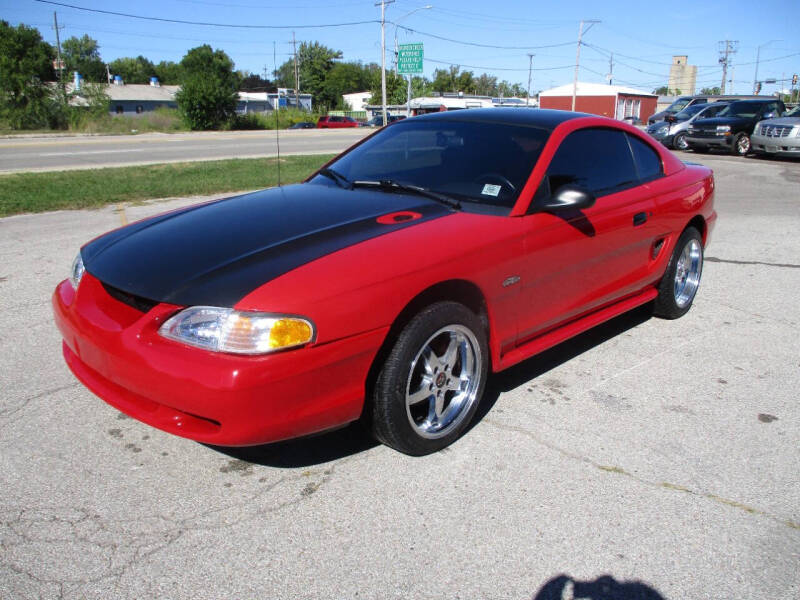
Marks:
<point>137,302</point>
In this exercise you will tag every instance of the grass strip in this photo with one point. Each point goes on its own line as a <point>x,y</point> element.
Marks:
<point>58,190</point>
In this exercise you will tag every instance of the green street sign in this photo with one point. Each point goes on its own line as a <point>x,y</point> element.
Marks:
<point>409,59</point>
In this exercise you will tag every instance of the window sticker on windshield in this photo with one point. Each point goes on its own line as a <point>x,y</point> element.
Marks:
<point>491,190</point>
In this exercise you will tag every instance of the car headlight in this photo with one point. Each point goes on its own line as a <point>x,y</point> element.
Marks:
<point>77,271</point>
<point>227,330</point>
<point>723,128</point>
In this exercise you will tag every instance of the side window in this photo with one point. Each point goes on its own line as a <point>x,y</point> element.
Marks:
<point>597,159</point>
<point>648,162</point>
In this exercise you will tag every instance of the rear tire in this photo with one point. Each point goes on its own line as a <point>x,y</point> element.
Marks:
<point>431,383</point>
<point>678,288</point>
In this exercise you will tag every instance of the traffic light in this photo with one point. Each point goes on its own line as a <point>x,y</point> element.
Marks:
<point>794,79</point>
<point>758,88</point>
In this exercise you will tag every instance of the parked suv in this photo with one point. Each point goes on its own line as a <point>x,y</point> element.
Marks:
<point>676,107</point>
<point>731,129</point>
<point>672,131</point>
<point>331,122</point>
<point>683,102</point>
<point>778,136</point>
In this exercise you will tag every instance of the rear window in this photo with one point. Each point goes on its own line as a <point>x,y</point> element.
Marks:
<point>648,162</point>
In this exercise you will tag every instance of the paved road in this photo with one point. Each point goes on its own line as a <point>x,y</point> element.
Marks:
<point>652,457</point>
<point>89,152</point>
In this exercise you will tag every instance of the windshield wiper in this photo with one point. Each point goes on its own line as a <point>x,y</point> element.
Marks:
<point>391,185</point>
<point>340,179</point>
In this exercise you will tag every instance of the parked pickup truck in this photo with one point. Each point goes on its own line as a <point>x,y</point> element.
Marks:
<point>731,129</point>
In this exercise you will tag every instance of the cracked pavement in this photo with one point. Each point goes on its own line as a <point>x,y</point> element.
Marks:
<point>646,457</point>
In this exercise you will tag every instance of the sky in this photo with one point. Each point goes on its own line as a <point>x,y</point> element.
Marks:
<point>495,37</point>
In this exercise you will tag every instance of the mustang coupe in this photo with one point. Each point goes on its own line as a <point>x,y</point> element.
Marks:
<point>388,285</point>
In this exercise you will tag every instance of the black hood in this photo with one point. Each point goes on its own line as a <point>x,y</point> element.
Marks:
<point>714,121</point>
<point>215,254</point>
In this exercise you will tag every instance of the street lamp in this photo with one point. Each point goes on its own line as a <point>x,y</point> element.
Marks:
<point>758,58</point>
<point>397,55</point>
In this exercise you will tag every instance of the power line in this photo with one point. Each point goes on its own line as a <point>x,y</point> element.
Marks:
<point>462,42</point>
<point>203,23</point>
<point>521,70</point>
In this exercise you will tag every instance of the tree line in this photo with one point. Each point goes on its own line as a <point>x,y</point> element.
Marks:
<point>29,98</point>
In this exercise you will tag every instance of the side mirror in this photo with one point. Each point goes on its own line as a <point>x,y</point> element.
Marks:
<point>566,197</point>
<point>670,119</point>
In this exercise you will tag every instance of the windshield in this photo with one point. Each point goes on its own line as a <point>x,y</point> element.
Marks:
<point>473,162</point>
<point>690,111</point>
<point>795,112</point>
<point>745,110</point>
<point>678,105</point>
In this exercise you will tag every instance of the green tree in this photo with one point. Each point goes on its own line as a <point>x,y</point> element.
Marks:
<point>252,82</point>
<point>711,91</point>
<point>208,95</point>
<point>453,79</point>
<point>396,88</point>
<point>133,70</point>
<point>315,62</point>
<point>83,55</point>
<point>168,72</point>
<point>26,102</point>
<point>661,91</point>
<point>344,78</point>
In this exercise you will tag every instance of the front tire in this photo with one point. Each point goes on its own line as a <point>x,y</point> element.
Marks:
<point>679,142</point>
<point>431,383</point>
<point>741,145</point>
<point>678,288</point>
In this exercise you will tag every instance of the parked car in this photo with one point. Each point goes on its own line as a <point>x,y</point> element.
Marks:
<point>731,129</point>
<point>388,284</point>
<point>303,125</point>
<point>672,131</point>
<point>377,121</point>
<point>336,122</point>
<point>778,136</point>
<point>683,102</point>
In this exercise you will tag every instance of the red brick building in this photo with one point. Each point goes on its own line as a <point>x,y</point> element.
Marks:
<point>613,101</point>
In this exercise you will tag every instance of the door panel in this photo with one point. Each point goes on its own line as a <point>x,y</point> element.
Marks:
<point>581,261</point>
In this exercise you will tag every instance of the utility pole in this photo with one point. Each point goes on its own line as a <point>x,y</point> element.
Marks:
<point>611,69</point>
<point>296,75</point>
<point>758,59</point>
<point>578,58</point>
<point>726,48</point>
<point>60,63</point>
<point>530,69</point>
<point>383,4</point>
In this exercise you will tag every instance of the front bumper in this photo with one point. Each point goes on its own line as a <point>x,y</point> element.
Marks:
<point>663,136</point>
<point>775,145</point>
<point>717,141</point>
<point>214,398</point>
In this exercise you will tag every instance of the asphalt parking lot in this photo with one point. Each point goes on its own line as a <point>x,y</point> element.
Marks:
<point>647,459</point>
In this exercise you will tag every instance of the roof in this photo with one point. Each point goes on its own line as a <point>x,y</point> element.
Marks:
<point>593,89</point>
<point>537,117</point>
<point>137,92</point>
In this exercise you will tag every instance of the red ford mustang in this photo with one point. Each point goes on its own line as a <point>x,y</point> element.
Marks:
<point>388,285</point>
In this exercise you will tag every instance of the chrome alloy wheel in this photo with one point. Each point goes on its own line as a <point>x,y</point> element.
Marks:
<point>743,145</point>
<point>687,273</point>
<point>443,381</point>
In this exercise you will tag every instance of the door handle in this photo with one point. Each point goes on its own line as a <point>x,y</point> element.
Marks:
<point>639,218</point>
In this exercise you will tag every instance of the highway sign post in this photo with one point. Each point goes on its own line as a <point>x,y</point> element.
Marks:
<point>409,62</point>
